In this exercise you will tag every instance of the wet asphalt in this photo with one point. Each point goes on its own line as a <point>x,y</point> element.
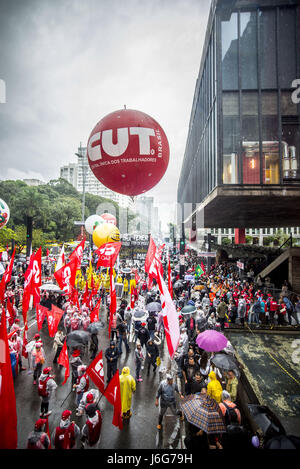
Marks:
<point>139,432</point>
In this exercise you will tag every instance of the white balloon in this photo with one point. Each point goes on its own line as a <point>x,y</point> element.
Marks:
<point>91,221</point>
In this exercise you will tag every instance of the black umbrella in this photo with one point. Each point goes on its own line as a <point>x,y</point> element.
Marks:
<point>177,285</point>
<point>154,307</point>
<point>77,337</point>
<point>266,420</point>
<point>224,362</point>
<point>139,315</point>
<point>94,327</point>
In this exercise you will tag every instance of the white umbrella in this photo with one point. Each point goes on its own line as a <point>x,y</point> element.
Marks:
<point>51,287</point>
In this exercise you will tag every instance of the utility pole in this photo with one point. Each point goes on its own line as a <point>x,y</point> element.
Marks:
<point>28,236</point>
<point>182,247</point>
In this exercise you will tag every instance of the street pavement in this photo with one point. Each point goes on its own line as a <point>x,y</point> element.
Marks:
<point>139,432</point>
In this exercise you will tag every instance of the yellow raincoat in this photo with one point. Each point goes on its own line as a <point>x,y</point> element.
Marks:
<point>125,285</point>
<point>127,387</point>
<point>214,388</point>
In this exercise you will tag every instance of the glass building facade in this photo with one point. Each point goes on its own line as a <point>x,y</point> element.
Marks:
<point>244,126</point>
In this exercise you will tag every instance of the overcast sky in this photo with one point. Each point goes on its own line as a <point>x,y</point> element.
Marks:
<point>68,63</point>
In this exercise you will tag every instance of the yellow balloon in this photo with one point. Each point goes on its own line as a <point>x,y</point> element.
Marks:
<point>105,233</point>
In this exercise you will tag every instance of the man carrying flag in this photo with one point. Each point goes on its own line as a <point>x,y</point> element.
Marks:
<point>63,360</point>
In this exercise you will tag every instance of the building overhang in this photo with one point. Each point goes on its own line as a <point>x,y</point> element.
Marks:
<point>249,207</point>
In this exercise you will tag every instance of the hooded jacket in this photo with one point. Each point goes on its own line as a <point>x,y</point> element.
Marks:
<point>214,388</point>
<point>127,387</point>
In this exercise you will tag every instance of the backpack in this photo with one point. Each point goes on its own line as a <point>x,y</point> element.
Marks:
<point>230,415</point>
<point>42,387</point>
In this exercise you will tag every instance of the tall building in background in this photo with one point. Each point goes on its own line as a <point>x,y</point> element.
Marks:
<point>147,217</point>
<point>80,173</point>
<point>241,162</point>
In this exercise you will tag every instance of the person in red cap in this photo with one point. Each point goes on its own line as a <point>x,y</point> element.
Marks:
<point>91,431</point>
<point>66,434</point>
<point>89,397</point>
<point>38,438</point>
<point>46,388</point>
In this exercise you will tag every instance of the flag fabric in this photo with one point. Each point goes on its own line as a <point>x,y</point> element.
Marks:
<point>96,372</point>
<point>66,276</point>
<point>113,395</point>
<point>199,271</point>
<point>6,276</point>
<point>41,313</point>
<point>63,360</point>
<point>170,317</point>
<point>203,268</point>
<point>27,291</point>
<point>61,260</point>
<point>94,316</point>
<point>153,263</point>
<point>54,316</point>
<point>25,341</point>
<point>113,298</point>
<point>78,253</point>
<point>108,254</point>
<point>150,254</point>
<point>37,276</point>
<point>8,411</point>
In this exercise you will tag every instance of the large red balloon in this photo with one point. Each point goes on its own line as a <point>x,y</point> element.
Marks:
<point>128,152</point>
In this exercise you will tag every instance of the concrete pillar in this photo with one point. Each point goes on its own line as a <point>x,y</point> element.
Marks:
<point>240,236</point>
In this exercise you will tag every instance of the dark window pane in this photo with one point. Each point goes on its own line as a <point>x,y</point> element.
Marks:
<point>231,137</point>
<point>250,138</point>
<point>230,53</point>
<point>270,144</point>
<point>248,48</point>
<point>267,48</point>
<point>287,47</point>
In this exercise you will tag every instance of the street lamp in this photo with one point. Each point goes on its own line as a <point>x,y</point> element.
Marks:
<point>81,155</point>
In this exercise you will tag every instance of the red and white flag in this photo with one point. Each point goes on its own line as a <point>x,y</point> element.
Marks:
<point>54,316</point>
<point>41,313</point>
<point>8,411</point>
<point>78,254</point>
<point>61,260</point>
<point>27,288</point>
<point>37,276</point>
<point>153,263</point>
<point>170,317</point>
<point>113,298</point>
<point>108,254</point>
<point>113,395</point>
<point>63,360</point>
<point>6,277</point>
<point>66,276</point>
<point>150,255</point>
<point>96,372</point>
<point>94,316</point>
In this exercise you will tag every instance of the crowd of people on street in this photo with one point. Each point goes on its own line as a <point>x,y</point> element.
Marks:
<point>218,300</point>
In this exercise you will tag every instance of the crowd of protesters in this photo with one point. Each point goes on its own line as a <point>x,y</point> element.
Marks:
<point>220,299</point>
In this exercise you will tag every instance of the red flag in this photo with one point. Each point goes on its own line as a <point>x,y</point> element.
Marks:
<point>66,276</point>
<point>86,293</point>
<point>47,252</point>
<point>132,300</point>
<point>150,254</point>
<point>6,276</point>
<point>63,360</point>
<point>113,395</point>
<point>170,286</point>
<point>203,268</point>
<point>78,254</point>
<point>54,316</point>
<point>41,313</point>
<point>25,341</point>
<point>96,372</point>
<point>8,411</point>
<point>94,316</point>
<point>37,276</point>
<point>113,298</point>
<point>27,288</point>
<point>108,254</point>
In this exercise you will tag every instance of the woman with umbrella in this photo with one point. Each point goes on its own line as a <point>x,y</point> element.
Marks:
<point>152,354</point>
